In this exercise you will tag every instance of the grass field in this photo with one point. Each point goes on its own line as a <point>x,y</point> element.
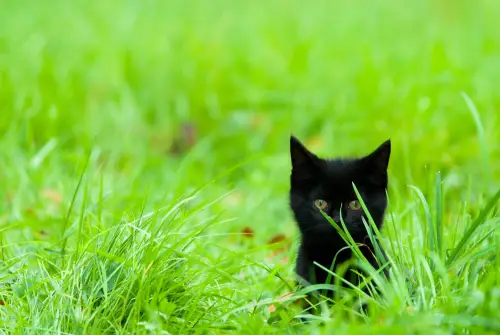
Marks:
<point>144,161</point>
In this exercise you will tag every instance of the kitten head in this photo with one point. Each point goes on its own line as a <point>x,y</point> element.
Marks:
<point>326,184</point>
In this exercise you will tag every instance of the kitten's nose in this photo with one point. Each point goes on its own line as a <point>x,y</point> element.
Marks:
<point>336,217</point>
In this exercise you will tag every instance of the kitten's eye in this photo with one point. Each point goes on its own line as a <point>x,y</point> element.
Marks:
<point>355,205</point>
<point>321,204</point>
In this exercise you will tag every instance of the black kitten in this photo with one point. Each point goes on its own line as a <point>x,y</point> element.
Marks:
<point>326,184</point>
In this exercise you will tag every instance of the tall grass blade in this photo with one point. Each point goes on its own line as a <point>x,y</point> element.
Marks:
<point>477,222</point>
<point>482,139</point>
<point>430,226</point>
<point>438,219</point>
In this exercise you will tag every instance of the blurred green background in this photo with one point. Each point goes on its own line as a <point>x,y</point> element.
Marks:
<point>165,96</point>
<point>168,95</point>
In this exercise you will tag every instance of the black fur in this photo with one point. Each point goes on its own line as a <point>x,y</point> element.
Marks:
<point>331,180</point>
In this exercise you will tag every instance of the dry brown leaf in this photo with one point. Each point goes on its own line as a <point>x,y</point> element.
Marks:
<point>248,232</point>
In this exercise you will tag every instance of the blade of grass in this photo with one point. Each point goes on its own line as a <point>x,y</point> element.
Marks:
<point>438,217</point>
<point>430,225</point>
<point>482,140</point>
<point>477,222</point>
<point>71,205</point>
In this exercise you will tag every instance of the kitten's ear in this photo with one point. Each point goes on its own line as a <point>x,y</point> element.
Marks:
<point>303,161</point>
<point>378,160</point>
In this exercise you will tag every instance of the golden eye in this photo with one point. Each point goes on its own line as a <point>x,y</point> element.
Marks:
<point>321,204</point>
<point>355,205</point>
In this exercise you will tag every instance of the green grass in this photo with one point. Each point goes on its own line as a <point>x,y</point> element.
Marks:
<point>105,229</point>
